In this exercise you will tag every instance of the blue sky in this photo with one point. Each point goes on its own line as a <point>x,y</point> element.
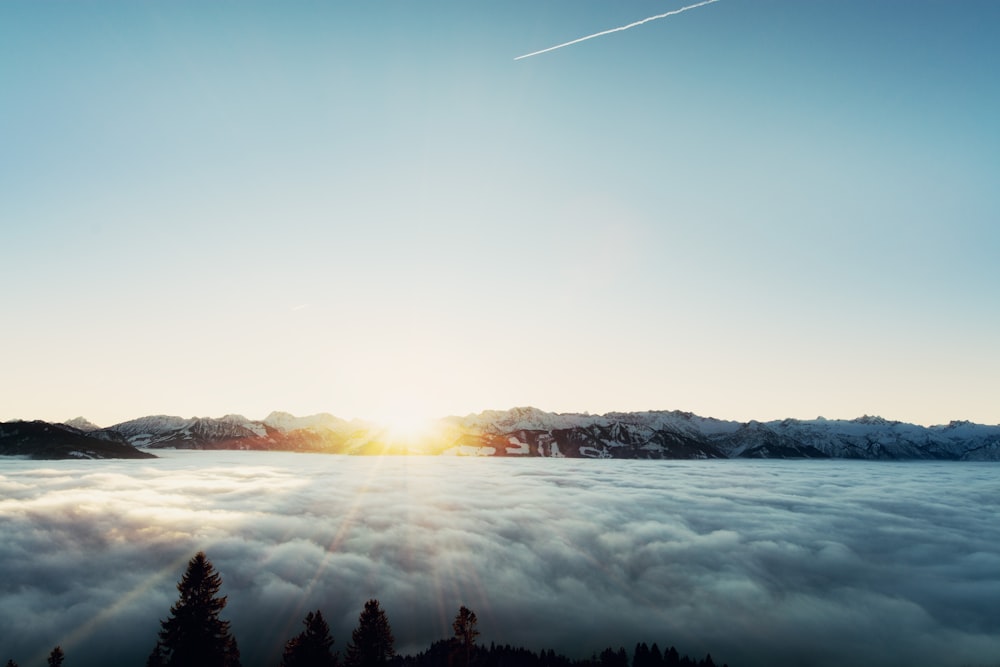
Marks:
<point>748,210</point>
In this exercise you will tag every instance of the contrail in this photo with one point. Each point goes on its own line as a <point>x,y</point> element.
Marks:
<point>624,27</point>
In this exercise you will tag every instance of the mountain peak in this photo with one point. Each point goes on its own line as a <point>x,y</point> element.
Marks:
<point>82,424</point>
<point>286,422</point>
<point>872,420</point>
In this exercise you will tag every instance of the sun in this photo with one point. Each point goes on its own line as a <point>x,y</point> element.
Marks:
<point>409,429</point>
<point>407,426</point>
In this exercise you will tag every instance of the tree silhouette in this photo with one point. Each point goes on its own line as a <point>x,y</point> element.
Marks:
<point>611,658</point>
<point>194,635</point>
<point>56,657</point>
<point>465,635</point>
<point>640,657</point>
<point>371,642</point>
<point>155,658</point>
<point>11,663</point>
<point>311,648</point>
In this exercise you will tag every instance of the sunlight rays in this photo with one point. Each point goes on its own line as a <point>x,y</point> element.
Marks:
<point>120,604</point>
<point>405,424</point>
<point>110,511</point>
<point>542,549</point>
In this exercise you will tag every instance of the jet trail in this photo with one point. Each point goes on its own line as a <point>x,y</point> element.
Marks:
<point>619,29</point>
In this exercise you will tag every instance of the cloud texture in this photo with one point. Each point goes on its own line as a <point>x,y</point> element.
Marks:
<point>759,562</point>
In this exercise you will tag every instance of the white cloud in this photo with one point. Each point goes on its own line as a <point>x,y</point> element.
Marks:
<point>758,562</point>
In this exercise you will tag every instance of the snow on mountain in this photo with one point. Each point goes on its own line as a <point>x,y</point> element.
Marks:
<point>285,422</point>
<point>681,422</point>
<point>280,431</point>
<point>149,431</point>
<point>523,419</point>
<point>976,442</point>
<point>875,438</point>
<point>82,424</point>
<point>528,431</point>
<point>242,422</point>
<point>196,432</point>
<point>674,434</point>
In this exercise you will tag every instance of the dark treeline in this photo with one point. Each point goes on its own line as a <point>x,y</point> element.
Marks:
<point>449,653</point>
<point>194,635</point>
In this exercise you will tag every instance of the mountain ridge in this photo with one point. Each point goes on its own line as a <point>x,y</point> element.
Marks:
<point>531,432</point>
<point>45,441</point>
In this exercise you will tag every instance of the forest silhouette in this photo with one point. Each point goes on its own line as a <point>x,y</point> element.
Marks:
<point>195,635</point>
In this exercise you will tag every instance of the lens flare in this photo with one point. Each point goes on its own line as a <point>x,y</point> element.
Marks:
<point>406,429</point>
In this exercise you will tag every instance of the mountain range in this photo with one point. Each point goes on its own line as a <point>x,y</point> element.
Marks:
<point>518,432</point>
<point>41,440</point>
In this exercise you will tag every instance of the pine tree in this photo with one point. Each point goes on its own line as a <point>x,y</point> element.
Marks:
<point>465,635</point>
<point>232,653</point>
<point>194,635</point>
<point>155,658</point>
<point>611,658</point>
<point>655,656</point>
<point>56,657</point>
<point>11,663</point>
<point>371,642</point>
<point>311,648</point>
<point>640,657</point>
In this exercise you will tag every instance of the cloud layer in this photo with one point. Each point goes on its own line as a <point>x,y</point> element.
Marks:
<point>761,563</point>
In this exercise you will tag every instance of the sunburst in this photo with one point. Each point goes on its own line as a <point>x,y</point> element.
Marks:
<point>410,429</point>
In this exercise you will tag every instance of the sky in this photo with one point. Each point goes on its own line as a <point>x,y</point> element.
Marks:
<point>749,210</point>
<point>760,563</point>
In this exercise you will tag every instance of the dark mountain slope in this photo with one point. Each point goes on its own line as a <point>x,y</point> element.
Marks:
<point>41,440</point>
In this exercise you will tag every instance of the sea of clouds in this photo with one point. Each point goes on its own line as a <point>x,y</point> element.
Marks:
<point>817,563</point>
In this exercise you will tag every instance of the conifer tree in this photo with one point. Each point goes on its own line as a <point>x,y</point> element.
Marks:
<point>155,658</point>
<point>56,657</point>
<point>611,658</point>
<point>371,642</point>
<point>11,663</point>
<point>465,635</point>
<point>194,635</point>
<point>640,657</point>
<point>311,648</point>
<point>232,653</point>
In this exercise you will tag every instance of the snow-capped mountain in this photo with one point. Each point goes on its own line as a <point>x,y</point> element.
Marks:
<point>278,431</point>
<point>875,438</point>
<point>528,431</point>
<point>167,431</point>
<point>82,424</point>
<point>674,434</point>
<point>286,423</point>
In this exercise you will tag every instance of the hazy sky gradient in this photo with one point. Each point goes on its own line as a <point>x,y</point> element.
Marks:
<point>748,210</point>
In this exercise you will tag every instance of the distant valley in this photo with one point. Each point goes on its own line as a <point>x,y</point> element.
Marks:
<point>519,432</point>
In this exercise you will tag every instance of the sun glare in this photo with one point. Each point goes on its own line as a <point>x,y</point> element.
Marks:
<point>409,429</point>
